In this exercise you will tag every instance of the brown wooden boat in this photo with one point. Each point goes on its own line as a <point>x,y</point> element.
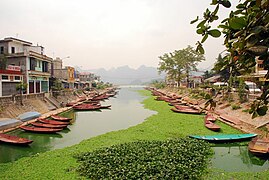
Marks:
<point>87,107</point>
<point>60,118</point>
<point>46,121</point>
<point>259,146</point>
<point>187,111</point>
<point>210,125</point>
<point>48,125</point>
<point>71,104</point>
<point>210,117</point>
<point>40,130</point>
<point>100,97</point>
<point>14,139</point>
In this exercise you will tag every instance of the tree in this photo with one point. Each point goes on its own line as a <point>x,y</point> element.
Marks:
<point>173,68</point>
<point>180,63</point>
<point>222,67</point>
<point>208,74</point>
<point>246,38</point>
<point>21,87</point>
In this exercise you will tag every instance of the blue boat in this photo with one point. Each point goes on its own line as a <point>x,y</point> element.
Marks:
<point>29,116</point>
<point>224,137</point>
<point>9,123</point>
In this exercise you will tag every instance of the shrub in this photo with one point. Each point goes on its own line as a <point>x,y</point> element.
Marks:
<point>235,106</point>
<point>182,158</point>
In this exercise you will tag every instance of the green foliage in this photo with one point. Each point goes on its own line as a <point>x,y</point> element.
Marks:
<point>21,87</point>
<point>158,84</point>
<point>242,91</point>
<point>178,64</point>
<point>59,164</point>
<point>236,106</point>
<point>246,39</point>
<point>57,85</point>
<point>183,158</point>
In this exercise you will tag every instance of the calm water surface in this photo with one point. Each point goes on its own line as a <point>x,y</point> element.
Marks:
<point>126,111</point>
<point>237,159</point>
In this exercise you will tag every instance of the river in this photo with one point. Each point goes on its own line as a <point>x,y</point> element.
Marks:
<point>126,111</point>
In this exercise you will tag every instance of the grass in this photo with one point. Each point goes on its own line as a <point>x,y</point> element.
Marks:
<point>60,164</point>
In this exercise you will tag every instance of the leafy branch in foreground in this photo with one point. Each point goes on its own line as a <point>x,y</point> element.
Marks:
<point>246,38</point>
<point>183,158</point>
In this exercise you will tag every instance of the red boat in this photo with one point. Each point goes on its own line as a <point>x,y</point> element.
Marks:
<point>210,117</point>
<point>46,121</point>
<point>86,107</point>
<point>14,139</point>
<point>71,104</point>
<point>187,111</point>
<point>210,125</point>
<point>60,118</point>
<point>40,130</point>
<point>100,97</point>
<point>48,125</point>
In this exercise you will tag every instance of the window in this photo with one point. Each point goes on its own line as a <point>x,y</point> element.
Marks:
<point>17,78</point>
<point>32,64</point>
<point>5,77</point>
<point>12,50</point>
<point>45,66</point>
<point>2,50</point>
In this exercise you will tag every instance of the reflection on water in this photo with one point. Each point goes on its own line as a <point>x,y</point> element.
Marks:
<point>237,158</point>
<point>126,111</point>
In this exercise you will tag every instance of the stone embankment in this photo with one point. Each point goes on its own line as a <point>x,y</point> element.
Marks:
<point>11,107</point>
<point>46,105</point>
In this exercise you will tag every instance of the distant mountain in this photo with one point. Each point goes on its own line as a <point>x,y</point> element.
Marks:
<point>126,75</point>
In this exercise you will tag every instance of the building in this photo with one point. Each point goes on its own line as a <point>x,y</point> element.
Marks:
<point>10,77</point>
<point>87,79</point>
<point>66,75</point>
<point>34,65</point>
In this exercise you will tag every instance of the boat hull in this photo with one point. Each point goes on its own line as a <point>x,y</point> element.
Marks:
<point>10,139</point>
<point>224,137</point>
<point>40,130</point>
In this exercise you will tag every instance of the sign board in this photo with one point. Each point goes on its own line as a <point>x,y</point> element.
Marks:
<point>13,68</point>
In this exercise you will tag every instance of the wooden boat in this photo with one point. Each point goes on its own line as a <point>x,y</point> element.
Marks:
<point>60,118</point>
<point>210,117</point>
<point>14,139</point>
<point>187,111</point>
<point>48,125</point>
<point>224,137</point>
<point>259,146</point>
<point>210,125</point>
<point>71,104</point>
<point>92,102</point>
<point>46,121</point>
<point>182,107</point>
<point>40,130</point>
<point>87,108</point>
<point>100,97</point>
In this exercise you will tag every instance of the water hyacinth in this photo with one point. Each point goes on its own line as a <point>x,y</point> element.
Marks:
<point>181,158</point>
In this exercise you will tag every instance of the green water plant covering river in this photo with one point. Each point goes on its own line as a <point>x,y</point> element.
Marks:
<point>163,127</point>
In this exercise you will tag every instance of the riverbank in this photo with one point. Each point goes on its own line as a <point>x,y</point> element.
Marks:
<point>229,107</point>
<point>60,164</point>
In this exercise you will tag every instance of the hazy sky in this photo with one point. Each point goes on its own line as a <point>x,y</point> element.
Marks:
<point>107,33</point>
